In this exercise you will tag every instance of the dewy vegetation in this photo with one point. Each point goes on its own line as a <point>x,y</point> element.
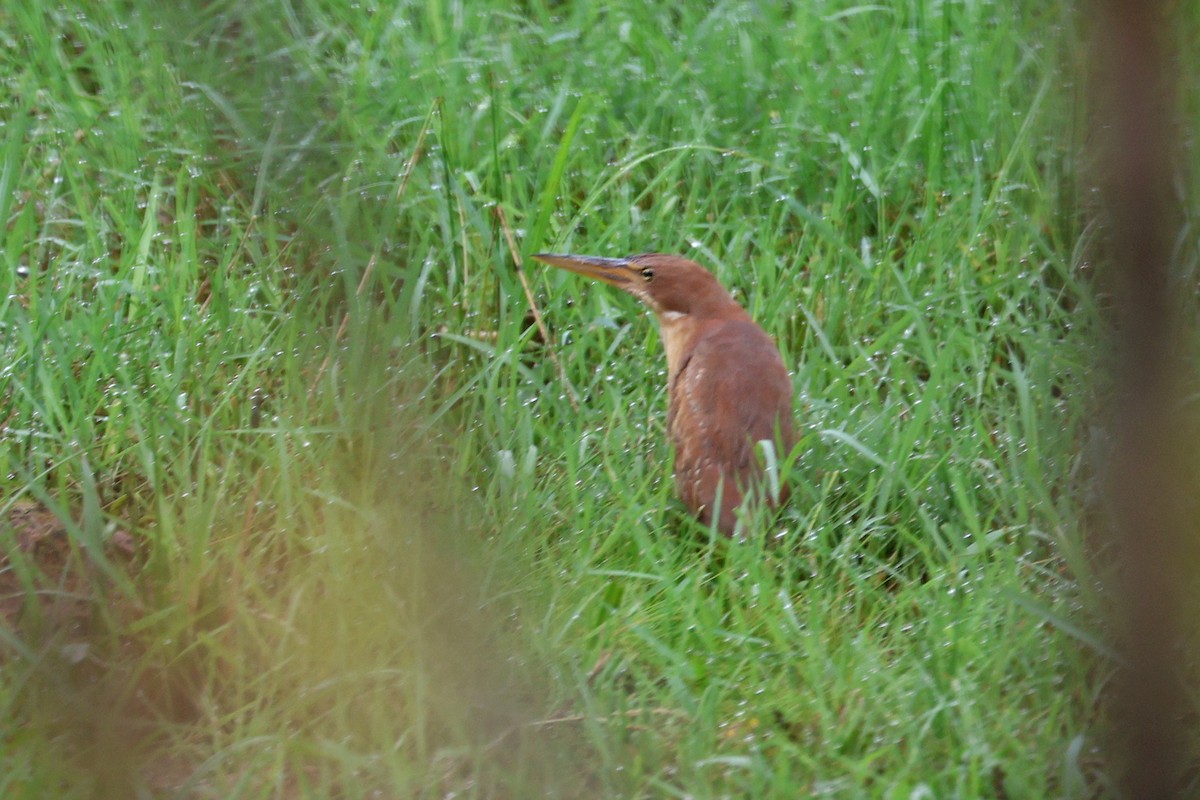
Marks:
<point>298,500</point>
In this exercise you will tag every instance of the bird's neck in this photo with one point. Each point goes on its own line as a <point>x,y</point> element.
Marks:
<point>679,333</point>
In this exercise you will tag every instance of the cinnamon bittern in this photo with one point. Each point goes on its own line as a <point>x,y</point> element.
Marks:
<point>727,386</point>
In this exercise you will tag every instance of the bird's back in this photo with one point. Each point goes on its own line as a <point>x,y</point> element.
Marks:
<point>731,391</point>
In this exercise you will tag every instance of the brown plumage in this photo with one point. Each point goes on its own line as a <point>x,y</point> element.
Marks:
<point>727,385</point>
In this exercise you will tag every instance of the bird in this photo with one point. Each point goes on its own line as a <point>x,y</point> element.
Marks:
<point>727,385</point>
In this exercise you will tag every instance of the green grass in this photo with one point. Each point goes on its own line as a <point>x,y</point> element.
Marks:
<point>258,311</point>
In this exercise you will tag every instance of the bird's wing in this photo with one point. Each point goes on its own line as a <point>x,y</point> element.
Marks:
<point>732,392</point>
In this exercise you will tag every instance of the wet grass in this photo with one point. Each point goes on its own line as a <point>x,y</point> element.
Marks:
<point>334,519</point>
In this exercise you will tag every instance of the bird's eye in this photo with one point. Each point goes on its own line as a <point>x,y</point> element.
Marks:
<point>647,274</point>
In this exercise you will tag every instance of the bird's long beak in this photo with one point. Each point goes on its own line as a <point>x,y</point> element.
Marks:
<point>616,271</point>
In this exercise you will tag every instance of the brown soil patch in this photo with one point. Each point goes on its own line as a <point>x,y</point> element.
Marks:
<point>41,564</point>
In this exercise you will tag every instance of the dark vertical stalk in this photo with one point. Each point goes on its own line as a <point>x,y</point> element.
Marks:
<point>1136,154</point>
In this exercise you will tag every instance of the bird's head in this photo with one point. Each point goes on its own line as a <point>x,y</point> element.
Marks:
<point>670,285</point>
